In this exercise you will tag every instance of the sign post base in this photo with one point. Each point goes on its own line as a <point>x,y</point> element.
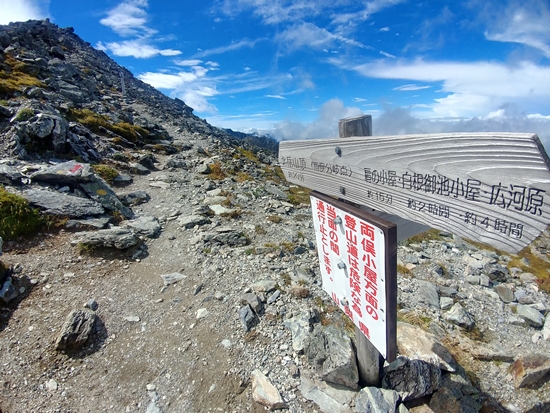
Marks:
<point>369,361</point>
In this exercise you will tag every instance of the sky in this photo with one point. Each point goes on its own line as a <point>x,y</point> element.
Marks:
<point>294,68</point>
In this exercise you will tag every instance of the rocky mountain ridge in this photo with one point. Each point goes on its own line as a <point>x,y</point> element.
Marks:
<point>184,276</point>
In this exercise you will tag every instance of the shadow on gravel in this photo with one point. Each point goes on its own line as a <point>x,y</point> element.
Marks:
<point>539,408</point>
<point>7,310</point>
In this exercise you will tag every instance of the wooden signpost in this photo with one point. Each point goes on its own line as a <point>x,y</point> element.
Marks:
<point>487,187</point>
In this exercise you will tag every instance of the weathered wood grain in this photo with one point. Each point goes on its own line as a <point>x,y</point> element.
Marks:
<point>489,187</point>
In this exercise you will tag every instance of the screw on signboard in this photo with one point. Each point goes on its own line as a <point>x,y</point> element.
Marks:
<point>338,151</point>
<point>343,190</point>
<point>342,265</point>
<point>344,302</point>
<point>337,220</point>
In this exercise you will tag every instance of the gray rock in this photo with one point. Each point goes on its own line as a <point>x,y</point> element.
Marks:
<point>531,316</point>
<point>214,200</point>
<point>232,238</point>
<point>273,190</point>
<point>94,222</point>
<point>505,294</point>
<point>248,317</point>
<point>473,279</point>
<point>300,327</point>
<point>120,238</point>
<point>253,301</point>
<point>529,369</point>
<point>203,169</point>
<point>545,329</point>
<point>264,286</point>
<point>8,291</point>
<point>373,399</point>
<point>457,315</point>
<point>76,330</point>
<point>145,225</point>
<point>265,393</point>
<point>221,210</point>
<point>91,304</point>
<point>10,175</point>
<point>445,291</point>
<point>527,278</point>
<point>412,379</point>
<point>66,173</point>
<point>446,303</point>
<point>191,221</point>
<point>134,198</point>
<point>57,203</point>
<point>426,295</point>
<point>122,180</point>
<point>101,192</point>
<point>331,352</point>
<point>172,278</point>
<point>415,343</point>
<point>5,112</point>
<point>272,298</point>
<point>139,169</point>
<point>330,398</point>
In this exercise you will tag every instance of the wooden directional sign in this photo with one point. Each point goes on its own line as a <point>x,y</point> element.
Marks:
<point>489,187</point>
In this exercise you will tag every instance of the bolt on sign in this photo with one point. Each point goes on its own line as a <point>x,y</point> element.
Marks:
<point>357,257</point>
<point>488,187</point>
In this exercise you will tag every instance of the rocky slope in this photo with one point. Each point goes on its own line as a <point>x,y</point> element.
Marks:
<point>184,276</point>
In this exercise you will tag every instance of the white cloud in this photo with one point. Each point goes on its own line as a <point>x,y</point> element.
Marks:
<point>359,99</point>
<point>411,87</point>
<point>138,48</point>
<point>383,53</point>
<point>473,88</point>
<point>230,47</point>
<point>384,29</point>
<point>188,62</point>
<point>525,22</point>
<point>22,10</point>
<point>128,18</point>
<point>400,121</point>
<point>308,35</point>
<point>275,97</point>
<point>325,126</point>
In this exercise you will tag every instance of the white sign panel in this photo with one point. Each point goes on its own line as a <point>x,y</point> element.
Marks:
<point>352,261</point>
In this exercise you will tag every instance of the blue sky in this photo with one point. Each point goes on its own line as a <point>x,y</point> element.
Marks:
<point>295,67</point>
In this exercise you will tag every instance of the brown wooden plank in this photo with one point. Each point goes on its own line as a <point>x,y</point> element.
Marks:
<point>489,187</point>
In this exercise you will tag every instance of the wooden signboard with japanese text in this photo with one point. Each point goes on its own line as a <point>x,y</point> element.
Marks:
<point>488,187</point>
<point>357,257</point>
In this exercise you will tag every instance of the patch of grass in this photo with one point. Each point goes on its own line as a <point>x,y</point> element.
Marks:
<point>106,172</point>
<point>248,155</point>
<point>274,218</point>
<point>538,266</point>
<point>249,251</point>
<point>95,122</point>
<point>17,217</point>
<point>24,114</point>
<point>275,174</point>
<point>404,271</point>
<point>298,195</point>
<point>206,250</point>
<point>287,246</point>
<point>286,279</point>
<point>242,177</point>
<point>226,203</point>
<point>233,214</point>
<point>270,245</point>
<point>429,235</point>
<point>415,319</point>
<point>259,230</point>
<point>19,77</point>
<point>301,217</point>
<point>216,171</point>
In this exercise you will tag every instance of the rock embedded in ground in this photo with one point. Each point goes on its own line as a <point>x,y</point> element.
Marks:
<point>248,317</point>
<point>530,315</point>
<point>373,399</point>
<point>411,378</point>
<point>265,393</point>
<point>76,330</point>
<point>57,203</point>
<point>120,238</point>
<point>529,369</point>
<point>459,316</point>
<point>332,353</point>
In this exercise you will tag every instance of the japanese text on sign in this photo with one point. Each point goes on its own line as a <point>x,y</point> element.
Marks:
<point>352,262</point>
